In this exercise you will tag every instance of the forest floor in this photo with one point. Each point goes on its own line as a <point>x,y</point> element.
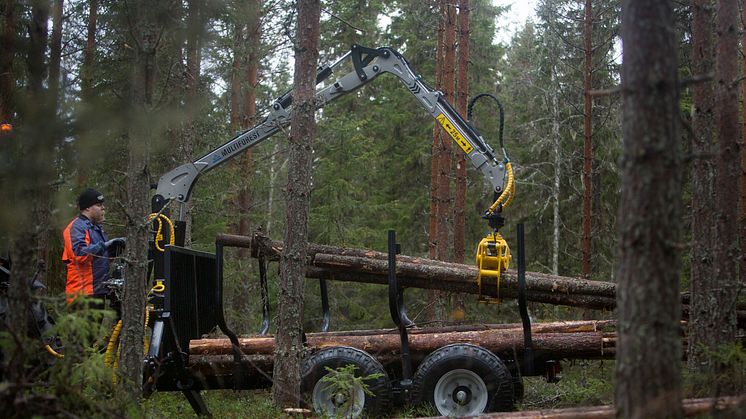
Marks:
<point>583,383</point>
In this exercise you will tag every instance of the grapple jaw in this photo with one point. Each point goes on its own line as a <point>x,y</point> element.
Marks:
<point>493,257</point>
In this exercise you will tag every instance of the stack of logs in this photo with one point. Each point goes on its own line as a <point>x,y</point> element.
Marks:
<point>560,340</point>
<point>594,339</point>
<point>368,266</point>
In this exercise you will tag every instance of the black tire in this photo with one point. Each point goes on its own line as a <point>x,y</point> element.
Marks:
<point>316,392</point>
<point>467,379</point>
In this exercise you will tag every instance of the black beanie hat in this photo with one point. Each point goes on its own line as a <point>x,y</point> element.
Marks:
<point>89,197</point>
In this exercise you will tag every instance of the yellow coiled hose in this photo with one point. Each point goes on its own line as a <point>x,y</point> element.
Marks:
<point>159,233</point>
<point>506,197</point>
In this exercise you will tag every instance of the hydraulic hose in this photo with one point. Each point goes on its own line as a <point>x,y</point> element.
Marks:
<point>53,352</point>
<point>159,233</point>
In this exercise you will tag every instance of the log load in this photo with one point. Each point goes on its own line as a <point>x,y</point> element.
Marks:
<point>368,266</point>
<point>211,360</point>
<point>505,342</point>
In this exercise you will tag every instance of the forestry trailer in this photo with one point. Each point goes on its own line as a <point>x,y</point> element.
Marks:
<point>458,379</point>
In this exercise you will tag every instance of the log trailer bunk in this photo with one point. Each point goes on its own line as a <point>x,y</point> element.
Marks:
<point>458,379</point>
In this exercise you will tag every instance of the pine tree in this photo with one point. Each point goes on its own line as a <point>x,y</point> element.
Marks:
<point>649,308</point>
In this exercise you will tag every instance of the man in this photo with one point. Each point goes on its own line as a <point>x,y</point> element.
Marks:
<point>87,249</point>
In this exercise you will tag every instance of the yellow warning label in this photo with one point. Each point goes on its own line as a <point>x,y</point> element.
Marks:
<point>453,132</point>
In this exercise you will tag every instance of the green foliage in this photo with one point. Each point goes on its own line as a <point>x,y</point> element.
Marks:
<point>583,383</point>
<point>726,375</point>
<point>80,382</point>
<point>343,381</point>
<point>222,403</point>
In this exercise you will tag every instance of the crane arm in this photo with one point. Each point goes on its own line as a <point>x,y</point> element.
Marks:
<point>368,64</point>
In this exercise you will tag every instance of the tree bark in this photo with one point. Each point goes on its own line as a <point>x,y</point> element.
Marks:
<point>186,141</point>
<point>587,139</point>
<point>86,89</point>
<point>557,170</point>
<point>144,37</point>
<point>438,228</point>
<point>48,229</point>
<point>287,374</point>
<point>703,325</point>
<point>55,53</point>
<point>30,148</point>
<point>725,285</point>
<point>742,261</point>
<point>38,107</point>
<point>462,92</point>
<point>235,95</point>
<point>444,155</point>
<point>649,309</point>
<point>246,161</point>
<point>7,53</point>
<point>86,71</point>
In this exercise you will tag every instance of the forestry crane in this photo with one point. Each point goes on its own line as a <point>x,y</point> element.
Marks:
<point>493,254</point>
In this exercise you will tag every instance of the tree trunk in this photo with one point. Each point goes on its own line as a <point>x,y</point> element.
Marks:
<point>287,374</point>
<point>186,141</point>
<point>47,252</point>
<point>557,171</point>
<point>703,324</point>
<point>86,79</point>
<point>725,286</point>
<point>274,171</point>
<point>649,309</point>
<point>55,53</point>
<point>144,36</point>
<point>742,261</point>
<point>246,161</point>
<point>587,139</point>
<point>32,148</point>
<point>462,93</point>
<point>235,95</point>
<point>440,202</point>
<point>40,108</point>
<point>431,312</point>
<point>86,89</point>
<point>7,53</point>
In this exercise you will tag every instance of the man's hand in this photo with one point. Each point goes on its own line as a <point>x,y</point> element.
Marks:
<point>119,241</point>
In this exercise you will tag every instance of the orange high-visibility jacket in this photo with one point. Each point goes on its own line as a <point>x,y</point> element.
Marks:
<point>86,258</point>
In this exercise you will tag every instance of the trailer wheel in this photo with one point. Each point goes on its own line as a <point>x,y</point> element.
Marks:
<point>328,401</point>
<point>464,380</point>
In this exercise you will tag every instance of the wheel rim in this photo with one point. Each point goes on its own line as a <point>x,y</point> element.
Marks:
<point>460,392</point>
<point>329,402</point>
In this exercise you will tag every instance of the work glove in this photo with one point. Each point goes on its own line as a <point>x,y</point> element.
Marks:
<point>119,241</point>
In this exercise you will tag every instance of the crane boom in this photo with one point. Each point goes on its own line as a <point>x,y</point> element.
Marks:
<point>368,64</point>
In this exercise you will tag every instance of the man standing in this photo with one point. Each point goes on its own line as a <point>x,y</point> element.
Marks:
<point>87,249</point>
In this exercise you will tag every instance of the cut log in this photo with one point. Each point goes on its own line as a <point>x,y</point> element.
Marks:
<point>368,266</point>
<point>504,342</point>
<point>732,406</point>
<point>556,327</point>
<point>508,288</point>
